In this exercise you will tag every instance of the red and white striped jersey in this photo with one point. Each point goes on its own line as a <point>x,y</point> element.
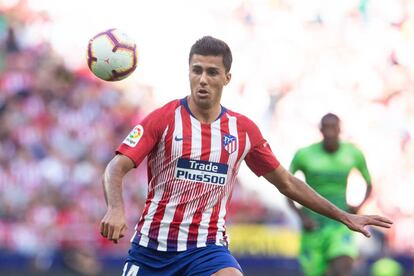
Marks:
<point>192,167</point>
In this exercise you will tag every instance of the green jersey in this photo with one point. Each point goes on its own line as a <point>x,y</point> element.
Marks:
<point>327,173</point>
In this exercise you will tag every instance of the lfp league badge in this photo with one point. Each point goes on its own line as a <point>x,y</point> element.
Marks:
<point>230,143</point>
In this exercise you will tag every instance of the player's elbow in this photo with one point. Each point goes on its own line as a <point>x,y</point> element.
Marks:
<point>286,187</point>
<point>282,180</point>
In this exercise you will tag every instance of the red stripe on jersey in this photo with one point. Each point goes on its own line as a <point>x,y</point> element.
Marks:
<point>159,213</point>
<point>179,211</point>
<point>205,155</point>
<point>224,158</point>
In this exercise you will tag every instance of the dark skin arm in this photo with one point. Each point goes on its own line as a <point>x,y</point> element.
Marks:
<point>310,225</point>
<point>301,192</point>
<point>113,225</point>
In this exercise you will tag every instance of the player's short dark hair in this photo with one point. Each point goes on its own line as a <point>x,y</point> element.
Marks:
<point>328,116</point>
<point>210,46</point>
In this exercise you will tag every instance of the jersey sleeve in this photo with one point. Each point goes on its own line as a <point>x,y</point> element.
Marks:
<point>143,137</point>
<point>260,158</point>
<point>361,165</point>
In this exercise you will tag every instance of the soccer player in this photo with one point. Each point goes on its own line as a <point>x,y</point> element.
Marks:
<point>328,247</point>
<point>194,147</point>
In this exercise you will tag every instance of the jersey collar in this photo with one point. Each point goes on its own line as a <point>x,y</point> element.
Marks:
<point>184,102</point>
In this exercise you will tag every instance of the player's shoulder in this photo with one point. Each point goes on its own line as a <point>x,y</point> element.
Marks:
<point>349,146</point>
<point>171,106</point>
<point>309,149</point>
<point>242,120</point>
<point>162,116</point>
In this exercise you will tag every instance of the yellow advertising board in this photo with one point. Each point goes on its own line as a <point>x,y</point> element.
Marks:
<point>263,240</point>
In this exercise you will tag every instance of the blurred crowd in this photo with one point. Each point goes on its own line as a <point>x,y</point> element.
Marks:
<point>59,125</point>
<point>58,130</point>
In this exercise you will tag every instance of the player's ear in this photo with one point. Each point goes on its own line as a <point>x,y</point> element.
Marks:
<point>228,78</point>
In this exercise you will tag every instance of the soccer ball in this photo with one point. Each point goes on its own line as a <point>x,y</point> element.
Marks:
<point>112,55</point>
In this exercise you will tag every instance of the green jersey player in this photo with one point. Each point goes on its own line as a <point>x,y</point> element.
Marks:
<point>327,247</point>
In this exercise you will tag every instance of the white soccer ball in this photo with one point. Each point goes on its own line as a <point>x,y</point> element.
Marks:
<point>112,55</point>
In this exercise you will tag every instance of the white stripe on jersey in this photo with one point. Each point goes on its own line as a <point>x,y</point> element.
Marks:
<point>196,138</point>
<point>169,209</point>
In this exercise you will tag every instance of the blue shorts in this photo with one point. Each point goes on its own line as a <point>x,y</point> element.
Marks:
<point>197,261</point>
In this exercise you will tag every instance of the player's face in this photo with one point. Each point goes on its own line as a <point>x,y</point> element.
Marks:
<point>207,78</point>
<point>330,131</point>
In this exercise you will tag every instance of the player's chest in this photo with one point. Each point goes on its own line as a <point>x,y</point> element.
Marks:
<point>330,163</point>
<point>205,155</point>
<point>205,143</point>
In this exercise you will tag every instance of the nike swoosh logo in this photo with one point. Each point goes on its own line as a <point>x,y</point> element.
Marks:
<point>176,138</point>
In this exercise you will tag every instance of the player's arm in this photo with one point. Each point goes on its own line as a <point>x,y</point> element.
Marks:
<point>113,225</point>
<point>301,192</point>
<point>134,148</point>
<point>355,209</point>
<point>308,224</point>
<point>363,169</point>
<point>367,193</point>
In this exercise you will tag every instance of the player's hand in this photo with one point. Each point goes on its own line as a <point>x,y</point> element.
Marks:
<point>113,225</point>
<point>308,224</point>
<point>359,222</point>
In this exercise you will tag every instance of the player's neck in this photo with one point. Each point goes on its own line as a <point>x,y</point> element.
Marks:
<point>204,115</point>
<point>330,147</point>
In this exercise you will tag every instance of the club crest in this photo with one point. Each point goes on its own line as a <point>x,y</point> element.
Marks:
<point>230,143</point>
